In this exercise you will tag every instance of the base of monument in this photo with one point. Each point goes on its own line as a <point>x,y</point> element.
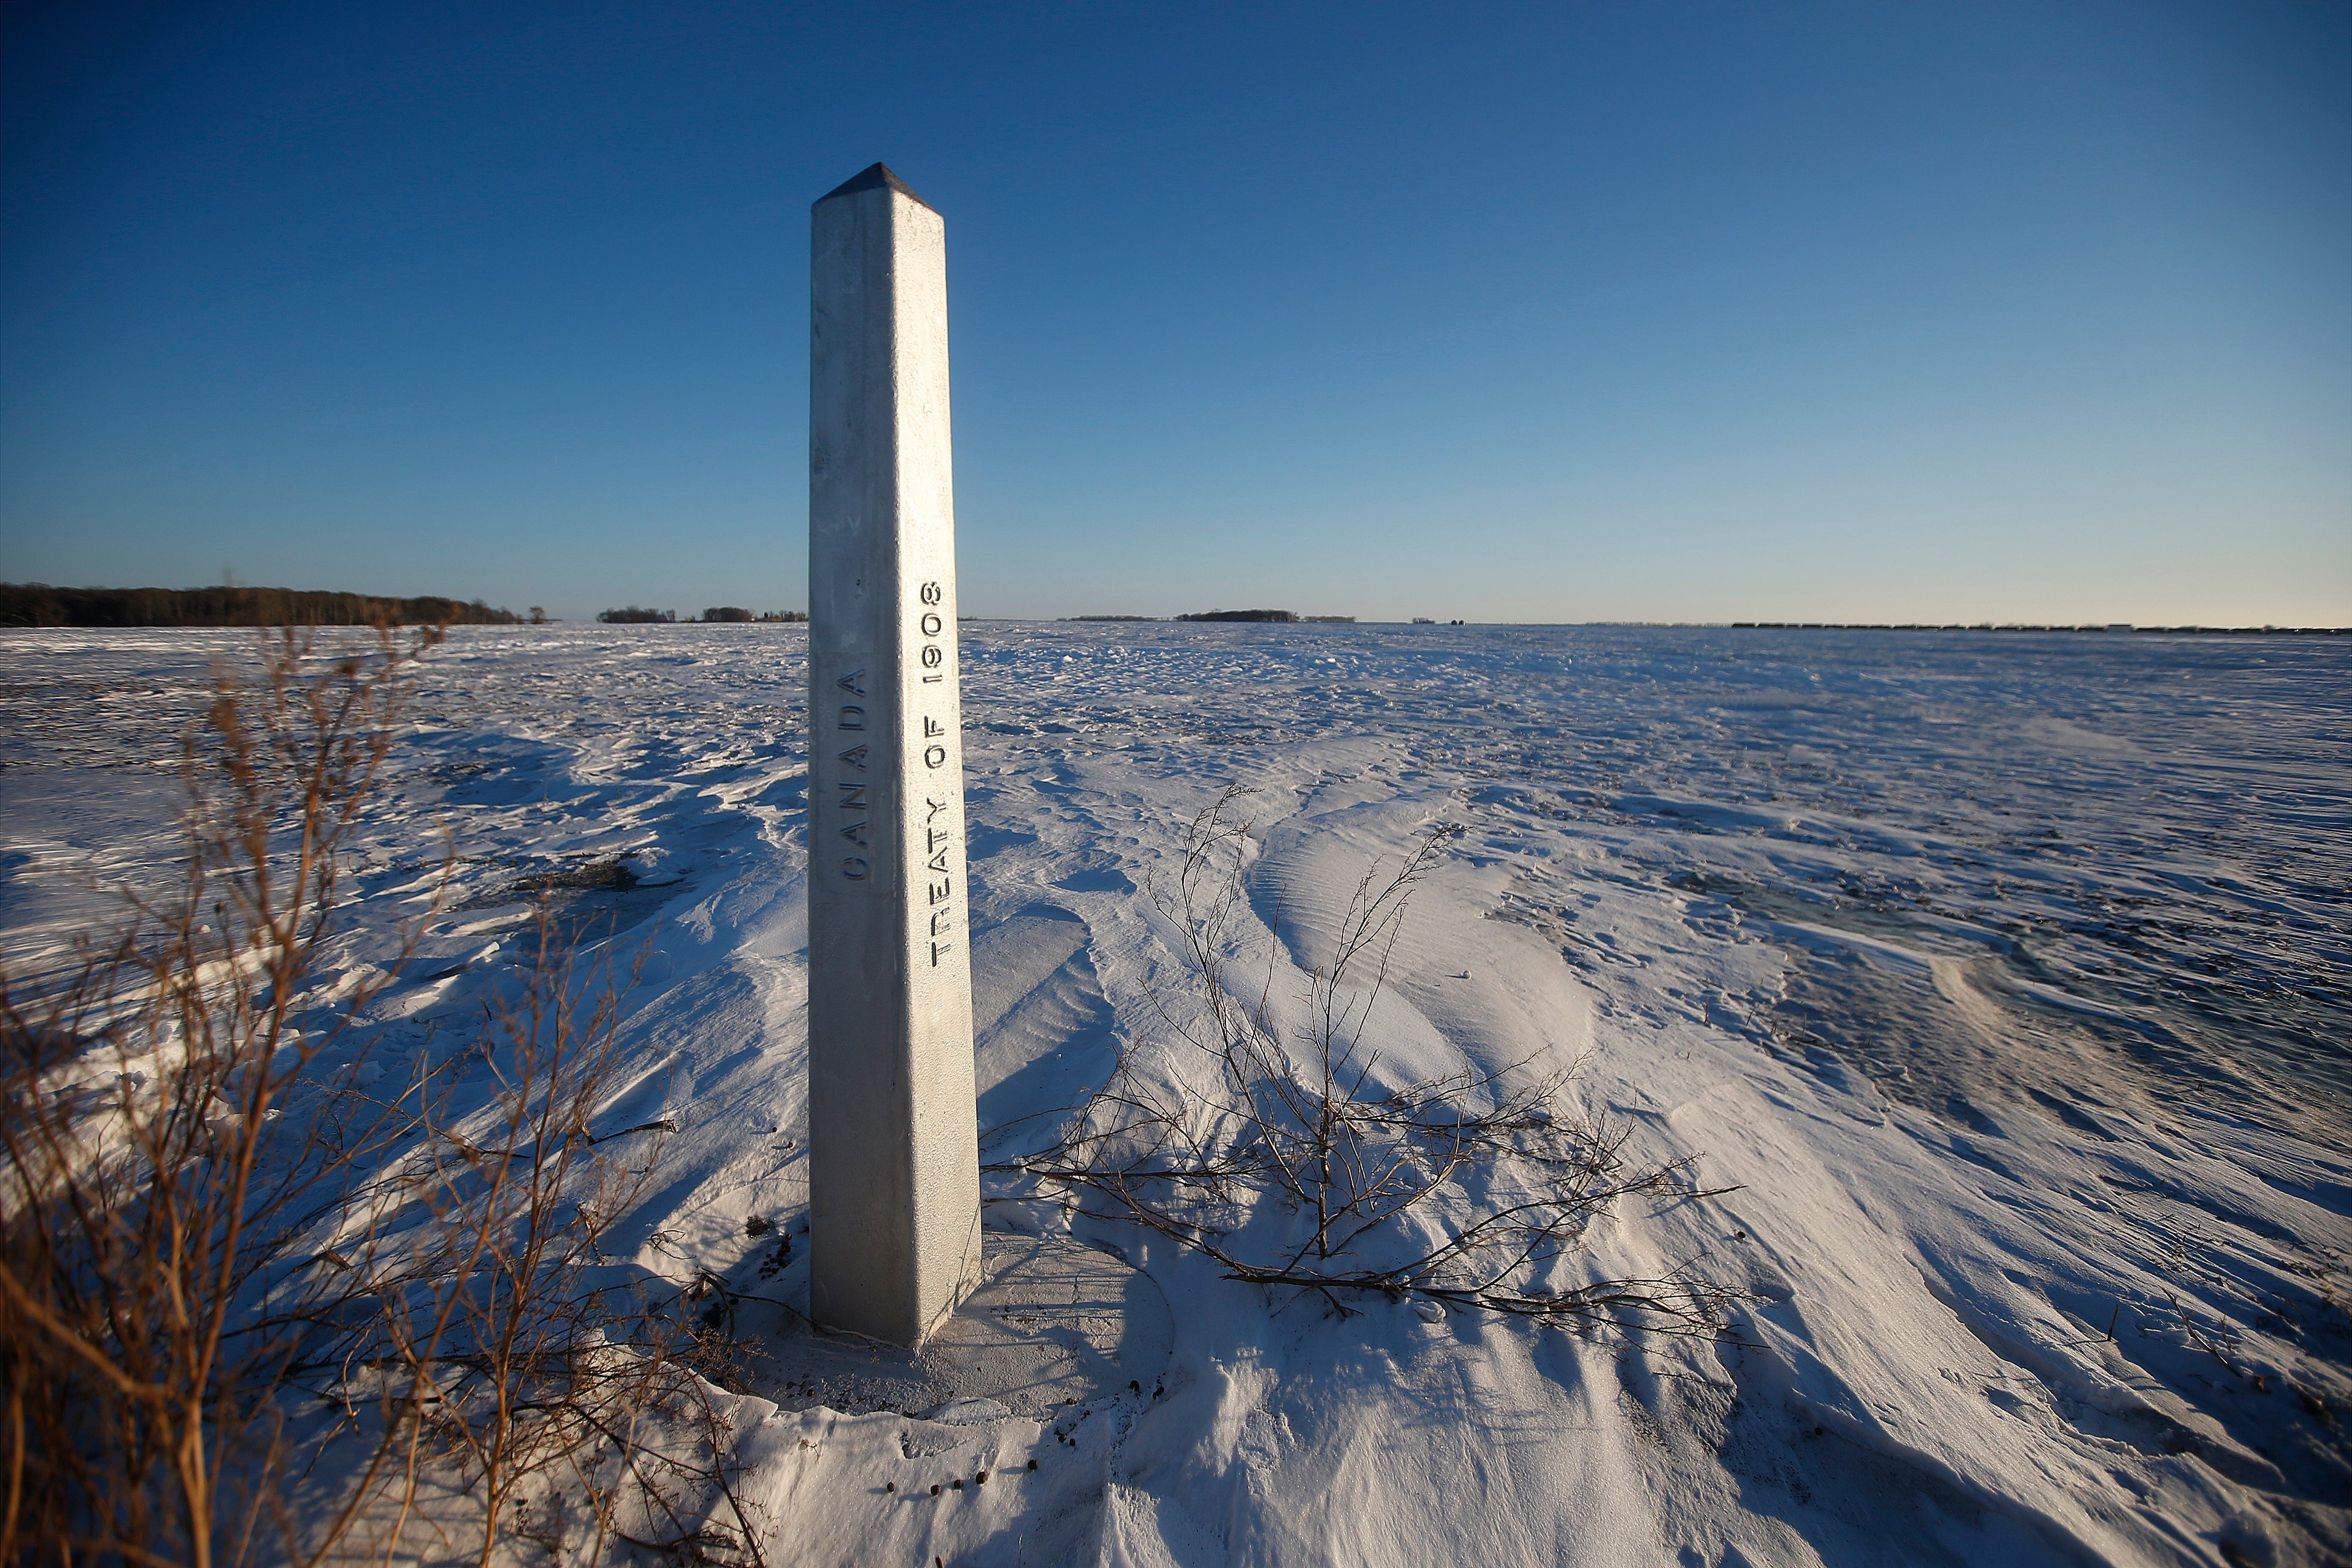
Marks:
<point>1052,1323</point>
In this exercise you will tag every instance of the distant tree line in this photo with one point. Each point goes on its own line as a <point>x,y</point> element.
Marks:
<point>2016,627</point>
<point>39,604</point>
<point>1269,616</point>
<point>1281,615</point>
<point>632,615</point>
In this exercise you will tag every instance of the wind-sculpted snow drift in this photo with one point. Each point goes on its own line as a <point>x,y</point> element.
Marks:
<point>2004,978</point>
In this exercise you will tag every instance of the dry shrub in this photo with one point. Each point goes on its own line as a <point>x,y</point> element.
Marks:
<point>1284,1162</point>
<point>511,1384</point>
<point>149,1179</point>
<point>251,1309</point>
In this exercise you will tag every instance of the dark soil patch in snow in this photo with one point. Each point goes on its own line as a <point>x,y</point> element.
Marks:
<point>586,902</point>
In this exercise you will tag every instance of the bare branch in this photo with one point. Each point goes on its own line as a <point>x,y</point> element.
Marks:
<point>1307,1131</point>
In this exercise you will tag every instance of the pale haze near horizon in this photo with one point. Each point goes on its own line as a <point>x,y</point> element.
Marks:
<point>2008,313</point>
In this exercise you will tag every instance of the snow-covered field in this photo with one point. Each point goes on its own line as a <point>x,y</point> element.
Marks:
<point>2005,976</point>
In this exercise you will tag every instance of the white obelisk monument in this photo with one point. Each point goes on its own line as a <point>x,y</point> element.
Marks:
<point>894,1162</point>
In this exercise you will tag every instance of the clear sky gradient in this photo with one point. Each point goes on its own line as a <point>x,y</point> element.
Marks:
<point>1642,311</point>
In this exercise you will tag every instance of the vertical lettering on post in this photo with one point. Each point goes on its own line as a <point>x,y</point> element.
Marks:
<point>939,843</point>
<point>847,719</point>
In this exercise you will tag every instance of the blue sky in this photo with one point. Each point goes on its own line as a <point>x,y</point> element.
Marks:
<point>1548,314</point>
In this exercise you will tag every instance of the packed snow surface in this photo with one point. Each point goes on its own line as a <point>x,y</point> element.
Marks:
<point>2003,977</point>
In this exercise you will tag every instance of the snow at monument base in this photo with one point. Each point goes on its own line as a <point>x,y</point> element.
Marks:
<point>2003,976</point>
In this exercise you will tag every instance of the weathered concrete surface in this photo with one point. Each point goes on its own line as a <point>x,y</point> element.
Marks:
<point>1053,1323</point>
<point>894,1226</point>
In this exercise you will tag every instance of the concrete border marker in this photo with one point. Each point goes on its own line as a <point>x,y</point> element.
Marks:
<point>894,1161</point>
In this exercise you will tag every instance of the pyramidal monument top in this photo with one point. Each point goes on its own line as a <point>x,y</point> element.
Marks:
<point>874,177</point>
